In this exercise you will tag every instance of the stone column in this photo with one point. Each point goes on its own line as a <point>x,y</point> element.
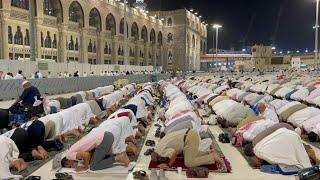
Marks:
<point>114,54</point>
<point>62,39</point>
<point>83,45</point>
<point>100,48</point>
<point>4,36</point>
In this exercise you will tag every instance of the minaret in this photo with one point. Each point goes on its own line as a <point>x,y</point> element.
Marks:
<point>140,4</point>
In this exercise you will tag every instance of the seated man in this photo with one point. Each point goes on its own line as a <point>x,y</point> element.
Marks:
<point>279,144</point>
<point>9,158</point>
<point>27,100</point>
<point>184,142</point>
<point>107,145</point>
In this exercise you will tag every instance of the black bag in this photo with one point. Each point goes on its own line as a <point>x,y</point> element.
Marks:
<point>309,173</point>
<point>4,118</point>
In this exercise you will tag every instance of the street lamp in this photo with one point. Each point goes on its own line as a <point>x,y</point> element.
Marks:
<point>316,34</point>
<point>217,27</point>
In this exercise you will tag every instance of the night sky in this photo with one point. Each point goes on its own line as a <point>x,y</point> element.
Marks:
<point>295,28</point>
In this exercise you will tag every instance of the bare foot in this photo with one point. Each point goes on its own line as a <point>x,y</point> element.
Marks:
<point>138,135</point>
<point>217,158</point>
<point>141,129</point>
<point>43,152</point>
<point>37,155</point>
<point>123,158</point>
<point>131,148</point>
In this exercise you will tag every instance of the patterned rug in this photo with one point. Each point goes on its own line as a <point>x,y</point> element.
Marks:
<point>223,168</point>
<point>240,149</point>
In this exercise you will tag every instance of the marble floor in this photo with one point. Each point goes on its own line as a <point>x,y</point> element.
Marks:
<point>240,168</point>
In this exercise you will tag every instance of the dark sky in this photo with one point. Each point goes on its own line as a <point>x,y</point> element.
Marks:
<point>295,28</point>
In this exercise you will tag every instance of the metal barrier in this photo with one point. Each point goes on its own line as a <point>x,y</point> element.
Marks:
<point>10,89</point>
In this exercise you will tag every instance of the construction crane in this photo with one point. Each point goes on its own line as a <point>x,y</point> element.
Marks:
<point>245,38</point>
<point>275,32</point>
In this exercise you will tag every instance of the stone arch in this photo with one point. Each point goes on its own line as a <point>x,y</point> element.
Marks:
<point>160,38</point>
<point>23,4</point>
<point>76,13</point>
<point>122,27</point>
<point>53,8</point>
<point>170,38</point>
<point>111,24</point>
<point>95,19</point>
<point>153,36</point>
<point>135,31</point>
<point>144,34</point>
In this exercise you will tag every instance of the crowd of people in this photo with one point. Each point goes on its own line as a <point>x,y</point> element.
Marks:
<point>119,116</point>
<point>39,75</point>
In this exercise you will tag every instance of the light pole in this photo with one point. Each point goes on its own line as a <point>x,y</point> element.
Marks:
<point>217,27</point>
<point>316,35</point>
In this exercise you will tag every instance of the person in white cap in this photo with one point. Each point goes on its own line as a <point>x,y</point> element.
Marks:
<point>27,99</point>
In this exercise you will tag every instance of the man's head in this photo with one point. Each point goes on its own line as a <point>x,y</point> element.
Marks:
<point>313,137</point>
<point>26,84</point>
<point>248,150</point>
<point>66,163</point>
<point>261,107</point>
<point>19,72</point>
<point>155,157</point>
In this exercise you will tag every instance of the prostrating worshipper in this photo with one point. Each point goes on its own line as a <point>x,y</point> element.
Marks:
<point>267,112</point>
<point>298,118</point>
<point>142,112</point>
<point>84,112</point>
<point>28,101</point>
<point>186,142</point>
<point>280,145</point>
<point>230,113</point>
<point>310,129</point>
<point>96,109</point>
<point>248,132</point>
<point>9,158</point>
<point>100,149</point>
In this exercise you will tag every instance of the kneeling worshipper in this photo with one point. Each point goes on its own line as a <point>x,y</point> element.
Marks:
<point>142,113</point>
<point>28,101</point>
<point>310,129</point>
<point>186,142</point>
<point>282,146</point>
<point>96,109</point>
<point>248,132</point>
<point>100,149</point>
<point>85,115</point>
<point>230,112</point>
<point>268,112</point>
<point>9,159</point>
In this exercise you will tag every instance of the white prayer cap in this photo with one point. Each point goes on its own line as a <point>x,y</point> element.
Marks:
<point>298,131</point>
<point>25,82</point>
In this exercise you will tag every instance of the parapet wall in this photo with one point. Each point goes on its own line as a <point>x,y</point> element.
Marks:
<point>10,89</point>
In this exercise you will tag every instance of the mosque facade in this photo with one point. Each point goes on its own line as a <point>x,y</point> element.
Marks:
<point>93,31</point>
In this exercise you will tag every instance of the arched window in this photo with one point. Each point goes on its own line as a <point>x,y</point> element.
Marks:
<point>76,13</point>
<point>53,8</point>
<point>54,42</point>
<point>76,46</point>
<point>10,35</point>
<point>135,31</point>
<point>94,47</point>
<point>106,49</point>
<point>47,41</point>
<point>153,36</point>
<point>71,43</point>
<point>42,39</point>
<point>144,34</point>
<point>27,38</point>
<point>169,23</point>
<point>122,27</point>
<point>24,4</point>
<point>18,37</point>
<point>90,47</point>
<point>193,41</point>
<point>95,19</point>
<point>160,38</point>
<point>111,24</point>
<point>170,38</point>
